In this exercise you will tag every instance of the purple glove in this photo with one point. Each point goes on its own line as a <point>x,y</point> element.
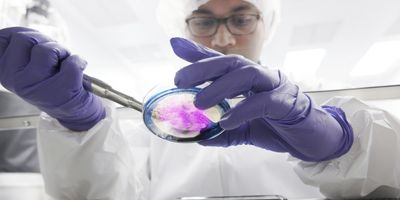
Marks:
<point>275,114</point>
<point>44,74</point>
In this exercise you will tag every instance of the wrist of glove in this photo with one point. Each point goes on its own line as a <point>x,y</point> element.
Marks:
<point>80,112</point>
<point>275,115</point>
<point>44,74</point>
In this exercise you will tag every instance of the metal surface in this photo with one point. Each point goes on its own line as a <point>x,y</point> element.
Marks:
<point>11,106</point>
<point>19,122</point>
<point>246,197</point>
<point>15,113</point>
<point>366,93</point>
<point>102,89</point>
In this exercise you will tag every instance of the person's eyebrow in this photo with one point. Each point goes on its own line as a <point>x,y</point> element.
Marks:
<point>202,11</point>
<point>243,7</point>
<point>240,8</point>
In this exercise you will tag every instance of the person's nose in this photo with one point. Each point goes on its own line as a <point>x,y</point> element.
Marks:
<point>223,37</point>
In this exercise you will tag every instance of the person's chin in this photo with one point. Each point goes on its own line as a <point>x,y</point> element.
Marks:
<point>233,53</point>
<point>236,53</point>
<point>229,51</point>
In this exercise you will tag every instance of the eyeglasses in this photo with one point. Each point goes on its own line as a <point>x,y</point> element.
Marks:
<point>236,24</point>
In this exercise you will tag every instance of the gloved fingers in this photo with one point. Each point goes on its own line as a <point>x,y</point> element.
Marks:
<point>18,53</point>
<point>191,51</point>
<point>45,61</point>
<point>230,85</point>
<point>72,69</point>
<point>248,109</point>
<point>228,138</point>
<point>5,35</point>
<point>208,69</point>
<point>68,78</point>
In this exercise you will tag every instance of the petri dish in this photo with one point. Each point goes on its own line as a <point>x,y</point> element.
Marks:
<point>171,115</point>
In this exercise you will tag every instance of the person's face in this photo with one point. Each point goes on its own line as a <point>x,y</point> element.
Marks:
<point>248,45</point>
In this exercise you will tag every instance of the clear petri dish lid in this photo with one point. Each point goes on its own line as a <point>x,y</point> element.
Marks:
<point>171,115</point>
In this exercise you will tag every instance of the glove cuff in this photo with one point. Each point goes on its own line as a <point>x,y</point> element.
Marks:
<point>80,113</point>
<point>347,138</point>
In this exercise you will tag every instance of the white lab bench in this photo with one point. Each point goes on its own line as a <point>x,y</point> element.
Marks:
<point>21,186</point>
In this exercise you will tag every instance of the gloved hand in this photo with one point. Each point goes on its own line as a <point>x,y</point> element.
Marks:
<point>44,74</point>
<point>275,114</point>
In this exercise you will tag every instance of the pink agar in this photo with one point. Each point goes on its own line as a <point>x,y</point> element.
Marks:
<point>184,117</point>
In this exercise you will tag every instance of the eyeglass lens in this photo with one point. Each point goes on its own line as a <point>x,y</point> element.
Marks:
<point>236,24</point>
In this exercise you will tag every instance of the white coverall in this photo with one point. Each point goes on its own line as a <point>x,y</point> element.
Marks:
<point>120,159</point>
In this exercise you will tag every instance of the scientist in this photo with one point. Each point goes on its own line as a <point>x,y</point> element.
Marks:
<point>88,152</point>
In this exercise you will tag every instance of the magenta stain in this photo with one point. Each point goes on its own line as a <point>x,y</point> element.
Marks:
<point>185,118</point>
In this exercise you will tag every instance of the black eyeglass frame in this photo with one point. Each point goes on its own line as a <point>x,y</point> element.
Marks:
<point>225,22</point>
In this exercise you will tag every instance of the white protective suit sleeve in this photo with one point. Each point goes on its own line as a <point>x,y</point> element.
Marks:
<point>371,168</point>
<point>96,164</point>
